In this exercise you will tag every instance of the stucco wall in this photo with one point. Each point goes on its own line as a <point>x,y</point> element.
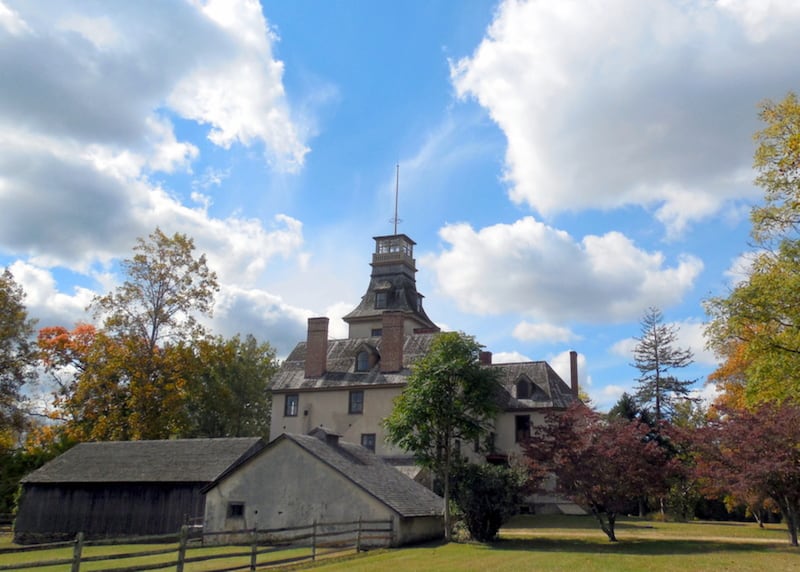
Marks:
<point>505,428</point>
<point>330,409</point>
<point>288,487</point>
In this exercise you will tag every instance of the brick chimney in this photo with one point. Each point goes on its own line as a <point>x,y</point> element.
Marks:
<point>573,371</point>
<point>485,358</point>
<point>392,339</point>
<point>317,347</point>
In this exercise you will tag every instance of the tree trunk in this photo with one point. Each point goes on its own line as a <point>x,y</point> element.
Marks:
<point>446,486</point>
<point>791,514</point>
<point>607,527</point>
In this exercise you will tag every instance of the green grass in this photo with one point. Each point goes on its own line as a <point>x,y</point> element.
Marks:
<point>577,544</point>
<point>541,543</point>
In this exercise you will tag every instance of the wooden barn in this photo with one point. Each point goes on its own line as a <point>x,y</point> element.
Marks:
<point>124,488</point>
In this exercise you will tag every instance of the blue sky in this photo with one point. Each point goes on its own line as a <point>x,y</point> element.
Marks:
<point>563,165</point>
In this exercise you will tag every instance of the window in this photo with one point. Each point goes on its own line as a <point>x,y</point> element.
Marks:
<point>362,361</point>
<point>235,510</point>
<point>356,402</point>
<point>381,299</point>
<point>523,428</point>
<point>377,332</point>
<point>368,441</point>
<point>291,405</point>
<point>523,389</point>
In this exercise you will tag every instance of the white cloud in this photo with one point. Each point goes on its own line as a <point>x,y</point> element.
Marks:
<point>609,103</point>
<point>530,268</point>
<point>509,357</point>
<point>562,366</point>
<point>740,269</point>
<point>12,22</point>
<point>540,332</point>
<point>689,336</point>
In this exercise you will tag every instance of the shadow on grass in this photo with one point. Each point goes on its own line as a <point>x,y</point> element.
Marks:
<point>634,546</point>
<point>583,522</point>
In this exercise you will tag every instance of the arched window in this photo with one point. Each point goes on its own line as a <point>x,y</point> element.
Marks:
<point>523,389</point>
<point>362,361</point>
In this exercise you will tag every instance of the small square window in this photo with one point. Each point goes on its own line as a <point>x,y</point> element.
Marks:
<point>356,402</point>
<point>376,332</point>
<point>368,441</point>
<point>291,405</point>
<point>235,510</point>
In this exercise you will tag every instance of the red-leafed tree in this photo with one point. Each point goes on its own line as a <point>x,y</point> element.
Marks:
<point>755,454</point>
<point>600,464</point>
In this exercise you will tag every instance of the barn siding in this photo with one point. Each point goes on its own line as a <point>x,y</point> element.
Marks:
<point>51,512</point>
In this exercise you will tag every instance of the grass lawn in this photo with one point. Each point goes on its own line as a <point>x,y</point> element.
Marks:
<point>578,544</point>
<point>541,543</point>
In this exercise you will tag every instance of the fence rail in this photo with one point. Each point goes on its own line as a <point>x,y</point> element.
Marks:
<point>242,549</point>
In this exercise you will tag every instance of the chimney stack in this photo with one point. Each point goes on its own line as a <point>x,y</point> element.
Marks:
<point>392,338</point>
<point>485,358</point>
<point>573,371</point>
<point>317,347</point>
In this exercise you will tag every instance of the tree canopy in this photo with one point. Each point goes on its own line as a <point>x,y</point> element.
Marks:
<point>604,464</point>
<point>449,397</point>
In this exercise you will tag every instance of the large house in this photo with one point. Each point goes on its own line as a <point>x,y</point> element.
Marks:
<point>349,384</point>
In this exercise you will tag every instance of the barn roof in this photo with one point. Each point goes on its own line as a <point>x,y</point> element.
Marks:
<point>366,470</point>
<point>170,461</point>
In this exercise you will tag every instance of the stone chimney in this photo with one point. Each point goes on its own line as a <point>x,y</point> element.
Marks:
<point>485,358</point>
<point>573,371</point>
<point>392,339</point>
<point>317,347</point>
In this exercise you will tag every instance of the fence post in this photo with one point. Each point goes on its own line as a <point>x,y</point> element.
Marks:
<point>253,549</point>
<point>314,541</point>
<point>183,538</point>
<point>358,536</point>
<point>76,552</point>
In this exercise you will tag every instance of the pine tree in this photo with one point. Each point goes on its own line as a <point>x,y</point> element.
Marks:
<point>655,356</point>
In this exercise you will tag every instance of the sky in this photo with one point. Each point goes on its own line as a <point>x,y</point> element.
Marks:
<point>563,166</point>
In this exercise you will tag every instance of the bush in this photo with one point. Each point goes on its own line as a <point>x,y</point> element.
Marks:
<point>487,496</point>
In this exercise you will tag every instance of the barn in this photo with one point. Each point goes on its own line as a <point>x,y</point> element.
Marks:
<point>299,479</point>
<point>124,488</point>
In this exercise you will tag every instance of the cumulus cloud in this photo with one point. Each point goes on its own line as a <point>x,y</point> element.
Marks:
<point>561,364</point>
<point>87,110</point>
<point>509,357</point>
<point>674,89</point>
<point>540,332</point>
<point>531,268</point>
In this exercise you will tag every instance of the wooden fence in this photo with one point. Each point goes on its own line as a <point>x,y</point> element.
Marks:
<point>240,550</point>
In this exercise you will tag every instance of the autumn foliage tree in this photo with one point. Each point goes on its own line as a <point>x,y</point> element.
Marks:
<point>755,329</point>
<point>755,455</point>
<point>601,464</point>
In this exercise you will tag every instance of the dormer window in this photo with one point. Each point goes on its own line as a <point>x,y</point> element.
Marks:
<point>523,389</point>
<point>362,361</point>
<point>381,300</point>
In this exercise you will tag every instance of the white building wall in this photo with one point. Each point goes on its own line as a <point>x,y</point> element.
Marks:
<point>329,408</point>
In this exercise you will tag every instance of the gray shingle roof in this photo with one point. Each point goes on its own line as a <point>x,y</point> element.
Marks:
<point>341,361</point>
<point>549,390</point>
<point>178,460</point>
<point>400,493</point>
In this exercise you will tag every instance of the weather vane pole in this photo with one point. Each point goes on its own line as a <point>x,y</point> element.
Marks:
<point>396,218</point>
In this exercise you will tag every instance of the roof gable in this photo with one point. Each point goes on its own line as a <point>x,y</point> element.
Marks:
<point>176,460</point>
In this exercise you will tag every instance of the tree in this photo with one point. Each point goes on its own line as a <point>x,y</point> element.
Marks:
<point>449,397</point>
<point>487,496</point>
<point>129,379</point>
<point>755,327</point>
<point>755,454</point>
<point>17,356</point>
<point>628,408</point>
<point>599,463</point>
<point>655,356</point>
<point>777,160</point>
<point>228,397</point>
<point>165,287</point>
